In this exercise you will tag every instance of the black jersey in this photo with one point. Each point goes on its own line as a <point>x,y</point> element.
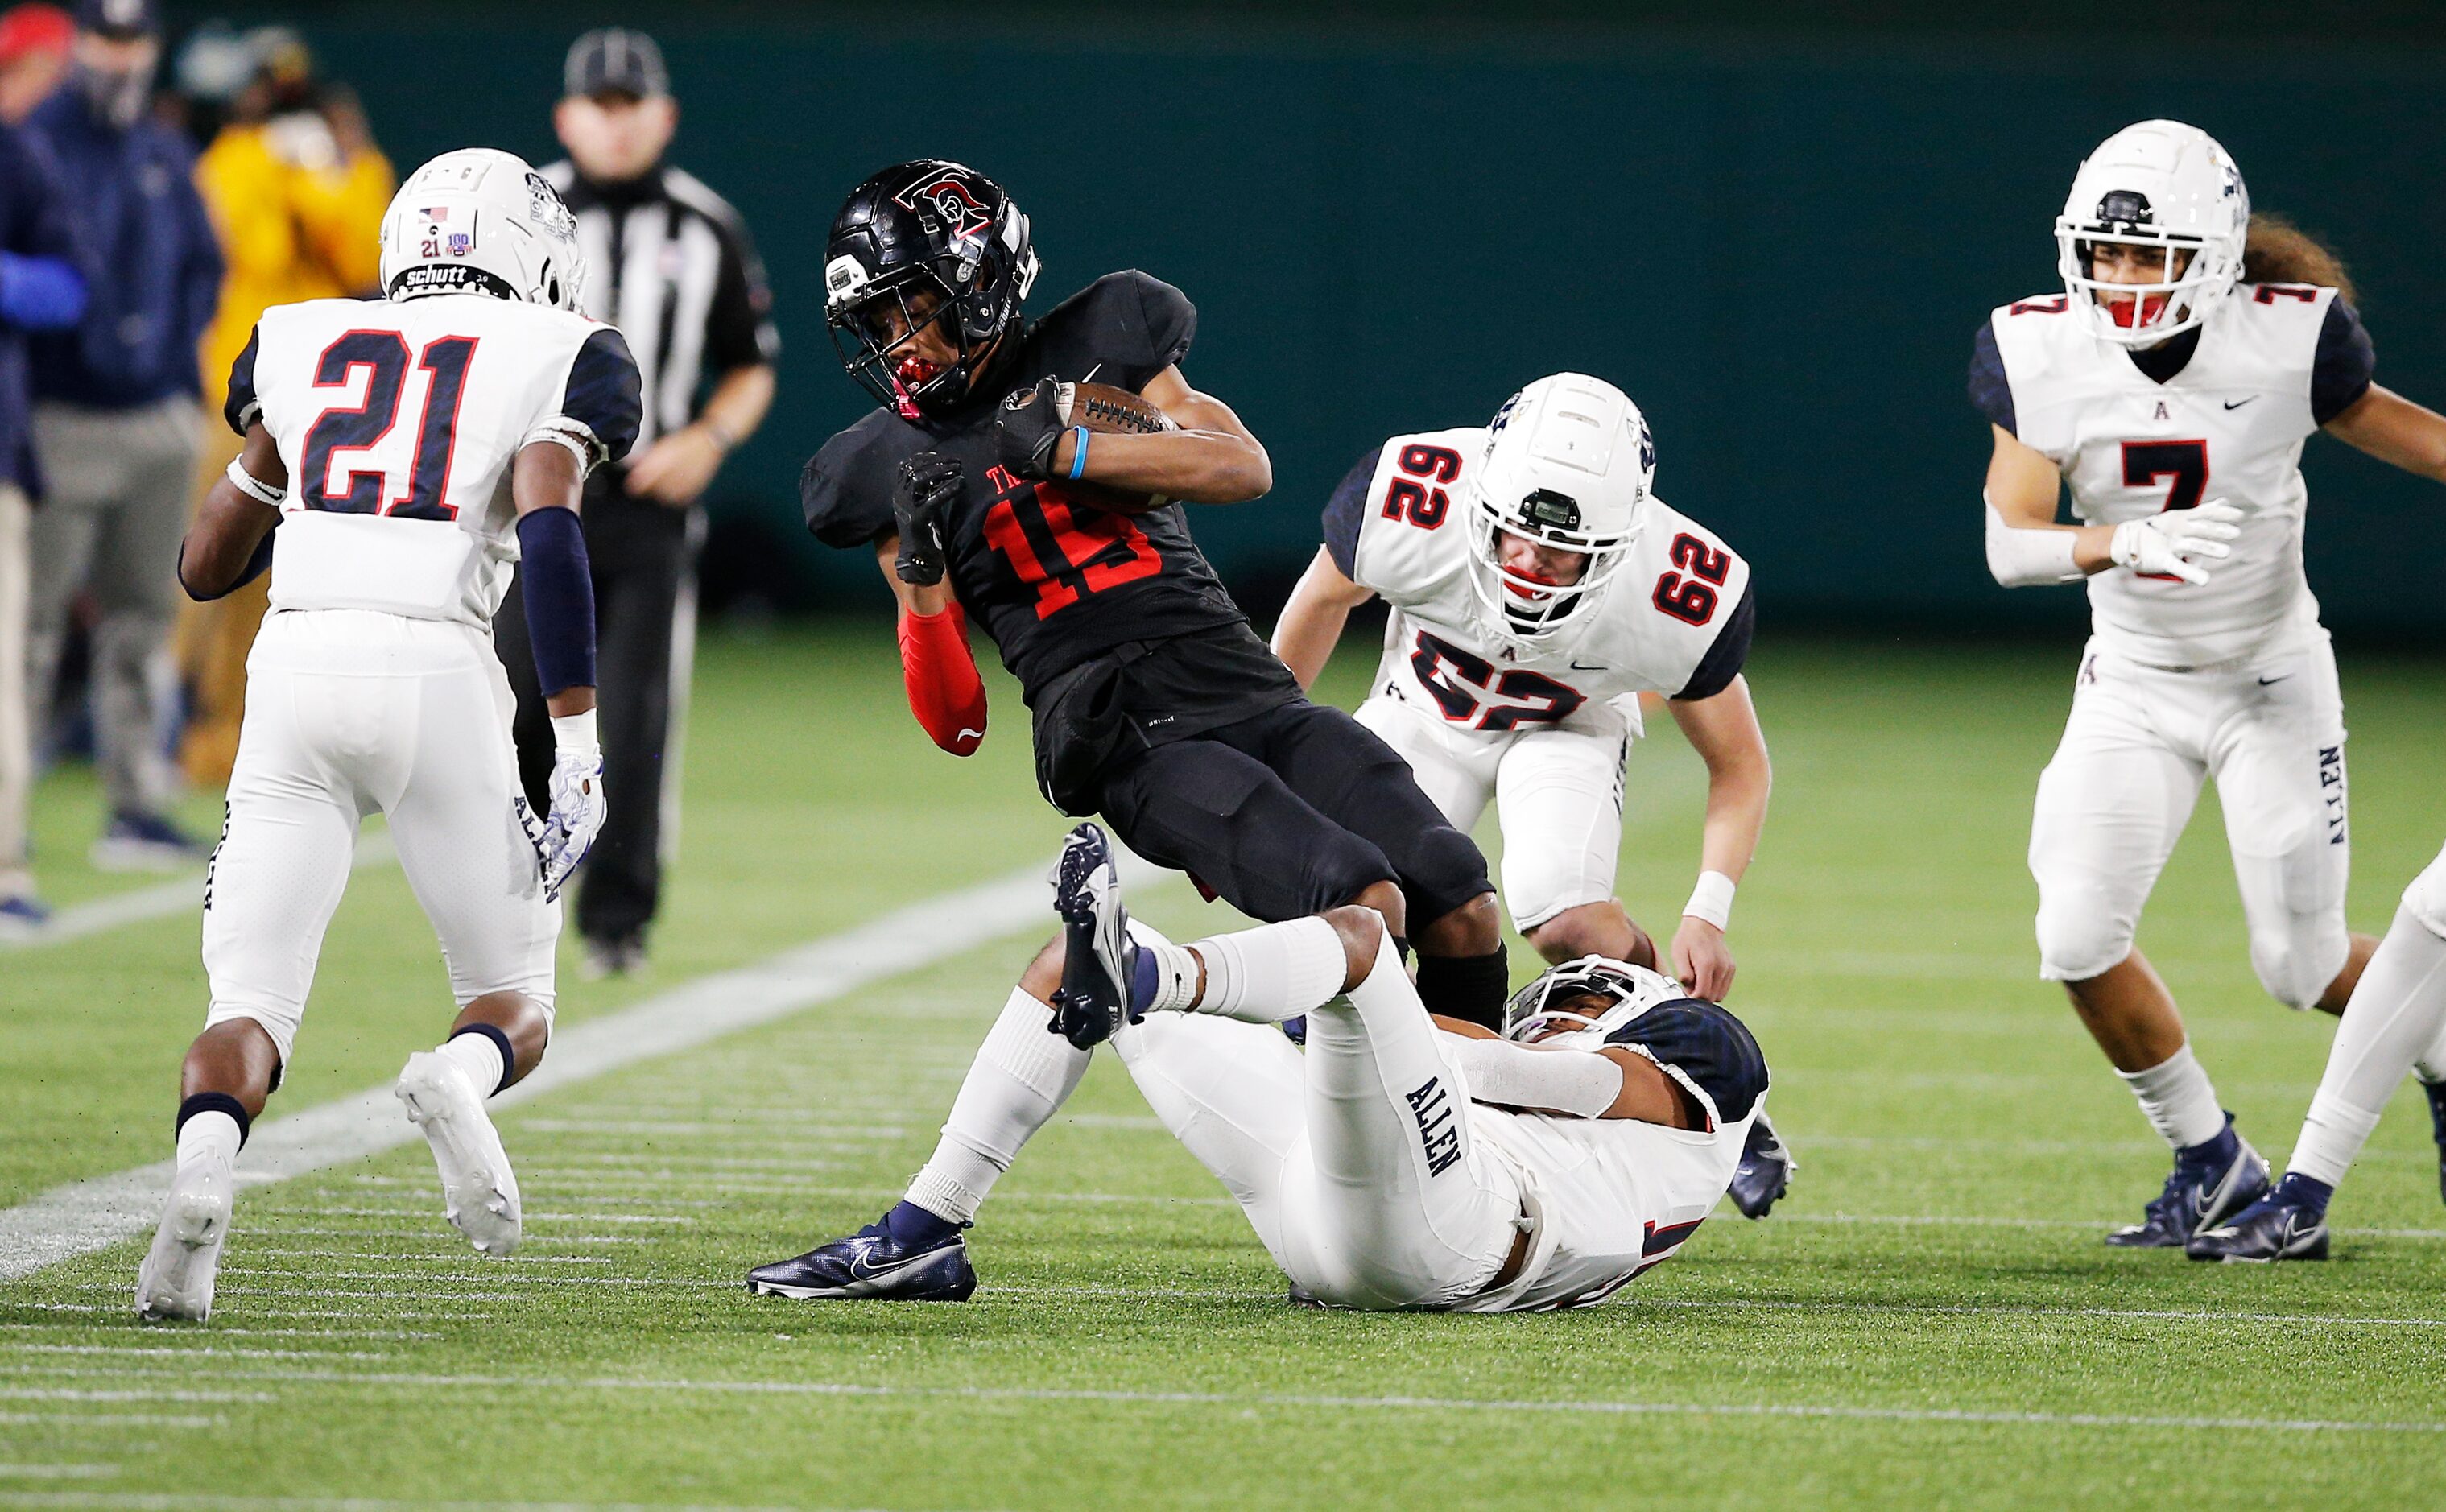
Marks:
<point>1054,582</point>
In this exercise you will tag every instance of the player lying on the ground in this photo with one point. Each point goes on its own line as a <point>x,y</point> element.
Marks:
<point>2397,1021</point>
<point>1398,1160</point>
<point>1155,704</point>
<point>410,450</point>
<point>1538,588</point>
<point>2171,386</point>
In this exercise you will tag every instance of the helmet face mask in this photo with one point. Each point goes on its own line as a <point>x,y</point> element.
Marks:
<point>479,220</point>
<point>1569,462</point>
<point>917,231</point>
<point>2163,187</point>
<point>1591,995</point>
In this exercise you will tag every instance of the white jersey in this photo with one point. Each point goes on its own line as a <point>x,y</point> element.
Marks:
<point>1675,621</point>
<point>1608,1198</point>
<point>2275,362</point>
<point>398,421</point>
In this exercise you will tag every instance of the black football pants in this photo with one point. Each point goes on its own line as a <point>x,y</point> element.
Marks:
<point>1292,812</point>
<point>642,554</point>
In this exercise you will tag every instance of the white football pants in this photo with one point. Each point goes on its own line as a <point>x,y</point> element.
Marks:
<point>2121,787</point>
<point>1355,1163</point>
<point>349,712</point>
<point>1557,791</point>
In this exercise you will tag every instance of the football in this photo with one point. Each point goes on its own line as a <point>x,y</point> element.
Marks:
<point>1106,410</point>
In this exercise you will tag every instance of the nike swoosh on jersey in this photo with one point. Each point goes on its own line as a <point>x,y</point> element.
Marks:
<point>2237,404</point>
<point>966,733</point>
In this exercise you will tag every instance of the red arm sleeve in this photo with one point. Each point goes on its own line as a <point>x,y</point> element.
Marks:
<point>945,691</point>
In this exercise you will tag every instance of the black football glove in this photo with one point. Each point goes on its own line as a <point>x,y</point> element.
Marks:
<point>927,484</point>
<point>1028,427</point>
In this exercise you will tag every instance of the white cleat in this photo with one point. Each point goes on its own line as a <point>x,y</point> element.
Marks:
<point>177,1279</point>
<point>480,1193</point>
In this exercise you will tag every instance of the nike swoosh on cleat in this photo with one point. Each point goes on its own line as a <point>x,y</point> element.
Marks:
<point>966,733</point>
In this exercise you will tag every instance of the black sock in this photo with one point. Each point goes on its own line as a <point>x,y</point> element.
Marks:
<point>213,1103</point>
<point>1471,988</point>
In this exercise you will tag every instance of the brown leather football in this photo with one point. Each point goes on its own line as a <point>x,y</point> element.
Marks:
<point>1106,410</point>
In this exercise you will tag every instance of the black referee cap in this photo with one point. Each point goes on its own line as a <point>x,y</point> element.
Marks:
<point>120,18</point>
<point>615,60</point>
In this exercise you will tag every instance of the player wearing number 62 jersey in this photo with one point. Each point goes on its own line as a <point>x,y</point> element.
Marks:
<point>1538,588</point>
<point>2171,386</point>
<point>401,454</point>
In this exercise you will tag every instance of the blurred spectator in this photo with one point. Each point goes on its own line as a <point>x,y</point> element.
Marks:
<point>296,189</point>
<point>670,263</point>
<point>117,419</point>
<point>40,290</point>
<point>34,42</point>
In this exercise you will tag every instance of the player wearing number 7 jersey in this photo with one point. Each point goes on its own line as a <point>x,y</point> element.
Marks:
<point>2170,387</point>
<point>408,452</point>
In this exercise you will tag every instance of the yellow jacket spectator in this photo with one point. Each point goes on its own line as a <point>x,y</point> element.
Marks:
<point>296,189</point>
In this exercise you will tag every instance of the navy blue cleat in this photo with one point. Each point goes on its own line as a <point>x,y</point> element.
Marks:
<point>1099,964</point>
<point>1765,1172</point>
<point>2274,1228</point>
<point>2211,1182</point>
<point>878,1265</point>
<point>2436,1092</point>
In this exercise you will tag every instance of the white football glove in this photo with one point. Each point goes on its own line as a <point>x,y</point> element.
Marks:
<point>577,805</point>
<point>2164,546</point>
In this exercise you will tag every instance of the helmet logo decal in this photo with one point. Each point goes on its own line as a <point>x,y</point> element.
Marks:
<point>545,208</point>
<point>949,199</point>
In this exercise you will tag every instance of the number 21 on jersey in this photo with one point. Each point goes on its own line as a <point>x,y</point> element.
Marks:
<point>333,479</point>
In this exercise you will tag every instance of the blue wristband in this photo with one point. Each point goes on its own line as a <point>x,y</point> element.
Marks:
<point>1079,458</point>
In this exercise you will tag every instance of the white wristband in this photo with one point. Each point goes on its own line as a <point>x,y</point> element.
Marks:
<point>254,487</point>
<point>573,734</point>
<point>1712,899</point>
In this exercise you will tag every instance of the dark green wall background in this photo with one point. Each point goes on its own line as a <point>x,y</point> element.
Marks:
<point>1779,243</point>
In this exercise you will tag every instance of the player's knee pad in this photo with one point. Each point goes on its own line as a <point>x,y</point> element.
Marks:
<point>2297,956</point>
<point>1441,870</point>
<point>2081,934</point>
<point>2425,899</point>
<point>280,1023</point>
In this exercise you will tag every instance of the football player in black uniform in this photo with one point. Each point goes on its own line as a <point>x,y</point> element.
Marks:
<point>1154,702</point>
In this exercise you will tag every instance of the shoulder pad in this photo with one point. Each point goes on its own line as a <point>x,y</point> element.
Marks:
<point>845,489</point>
<point>1413,532</point>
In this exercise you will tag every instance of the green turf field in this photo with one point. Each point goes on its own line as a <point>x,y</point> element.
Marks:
<point>1929,1320</point>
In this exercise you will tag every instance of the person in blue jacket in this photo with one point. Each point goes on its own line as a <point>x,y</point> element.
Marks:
<point>117,427</point>
<point>40,290</point>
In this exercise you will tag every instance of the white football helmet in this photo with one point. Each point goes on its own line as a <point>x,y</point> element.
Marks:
<point>1622,991</point>
<point>1569,462</point>
<point>2160,184</point>
<point>479,220</point>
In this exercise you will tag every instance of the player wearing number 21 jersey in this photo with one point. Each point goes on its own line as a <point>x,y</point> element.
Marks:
<point>401,454</point>
<point>2170,387</point>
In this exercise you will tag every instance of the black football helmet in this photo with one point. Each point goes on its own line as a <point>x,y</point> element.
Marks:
<point>921,228</point>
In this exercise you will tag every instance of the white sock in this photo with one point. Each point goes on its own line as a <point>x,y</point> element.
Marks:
<point>208,1136</point>
<point>1275,972</point>
<point>480,1056</point>
<point>2396,1012</point>
<point>1021,1075</point>
<point>2175,1095</point>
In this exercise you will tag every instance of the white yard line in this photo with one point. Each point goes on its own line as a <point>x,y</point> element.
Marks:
<point>559,1386</point>
<point>142,905</point>
<point>93,1215</point>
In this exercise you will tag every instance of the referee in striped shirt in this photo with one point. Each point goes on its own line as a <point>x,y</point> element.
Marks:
<point>670,263</point>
